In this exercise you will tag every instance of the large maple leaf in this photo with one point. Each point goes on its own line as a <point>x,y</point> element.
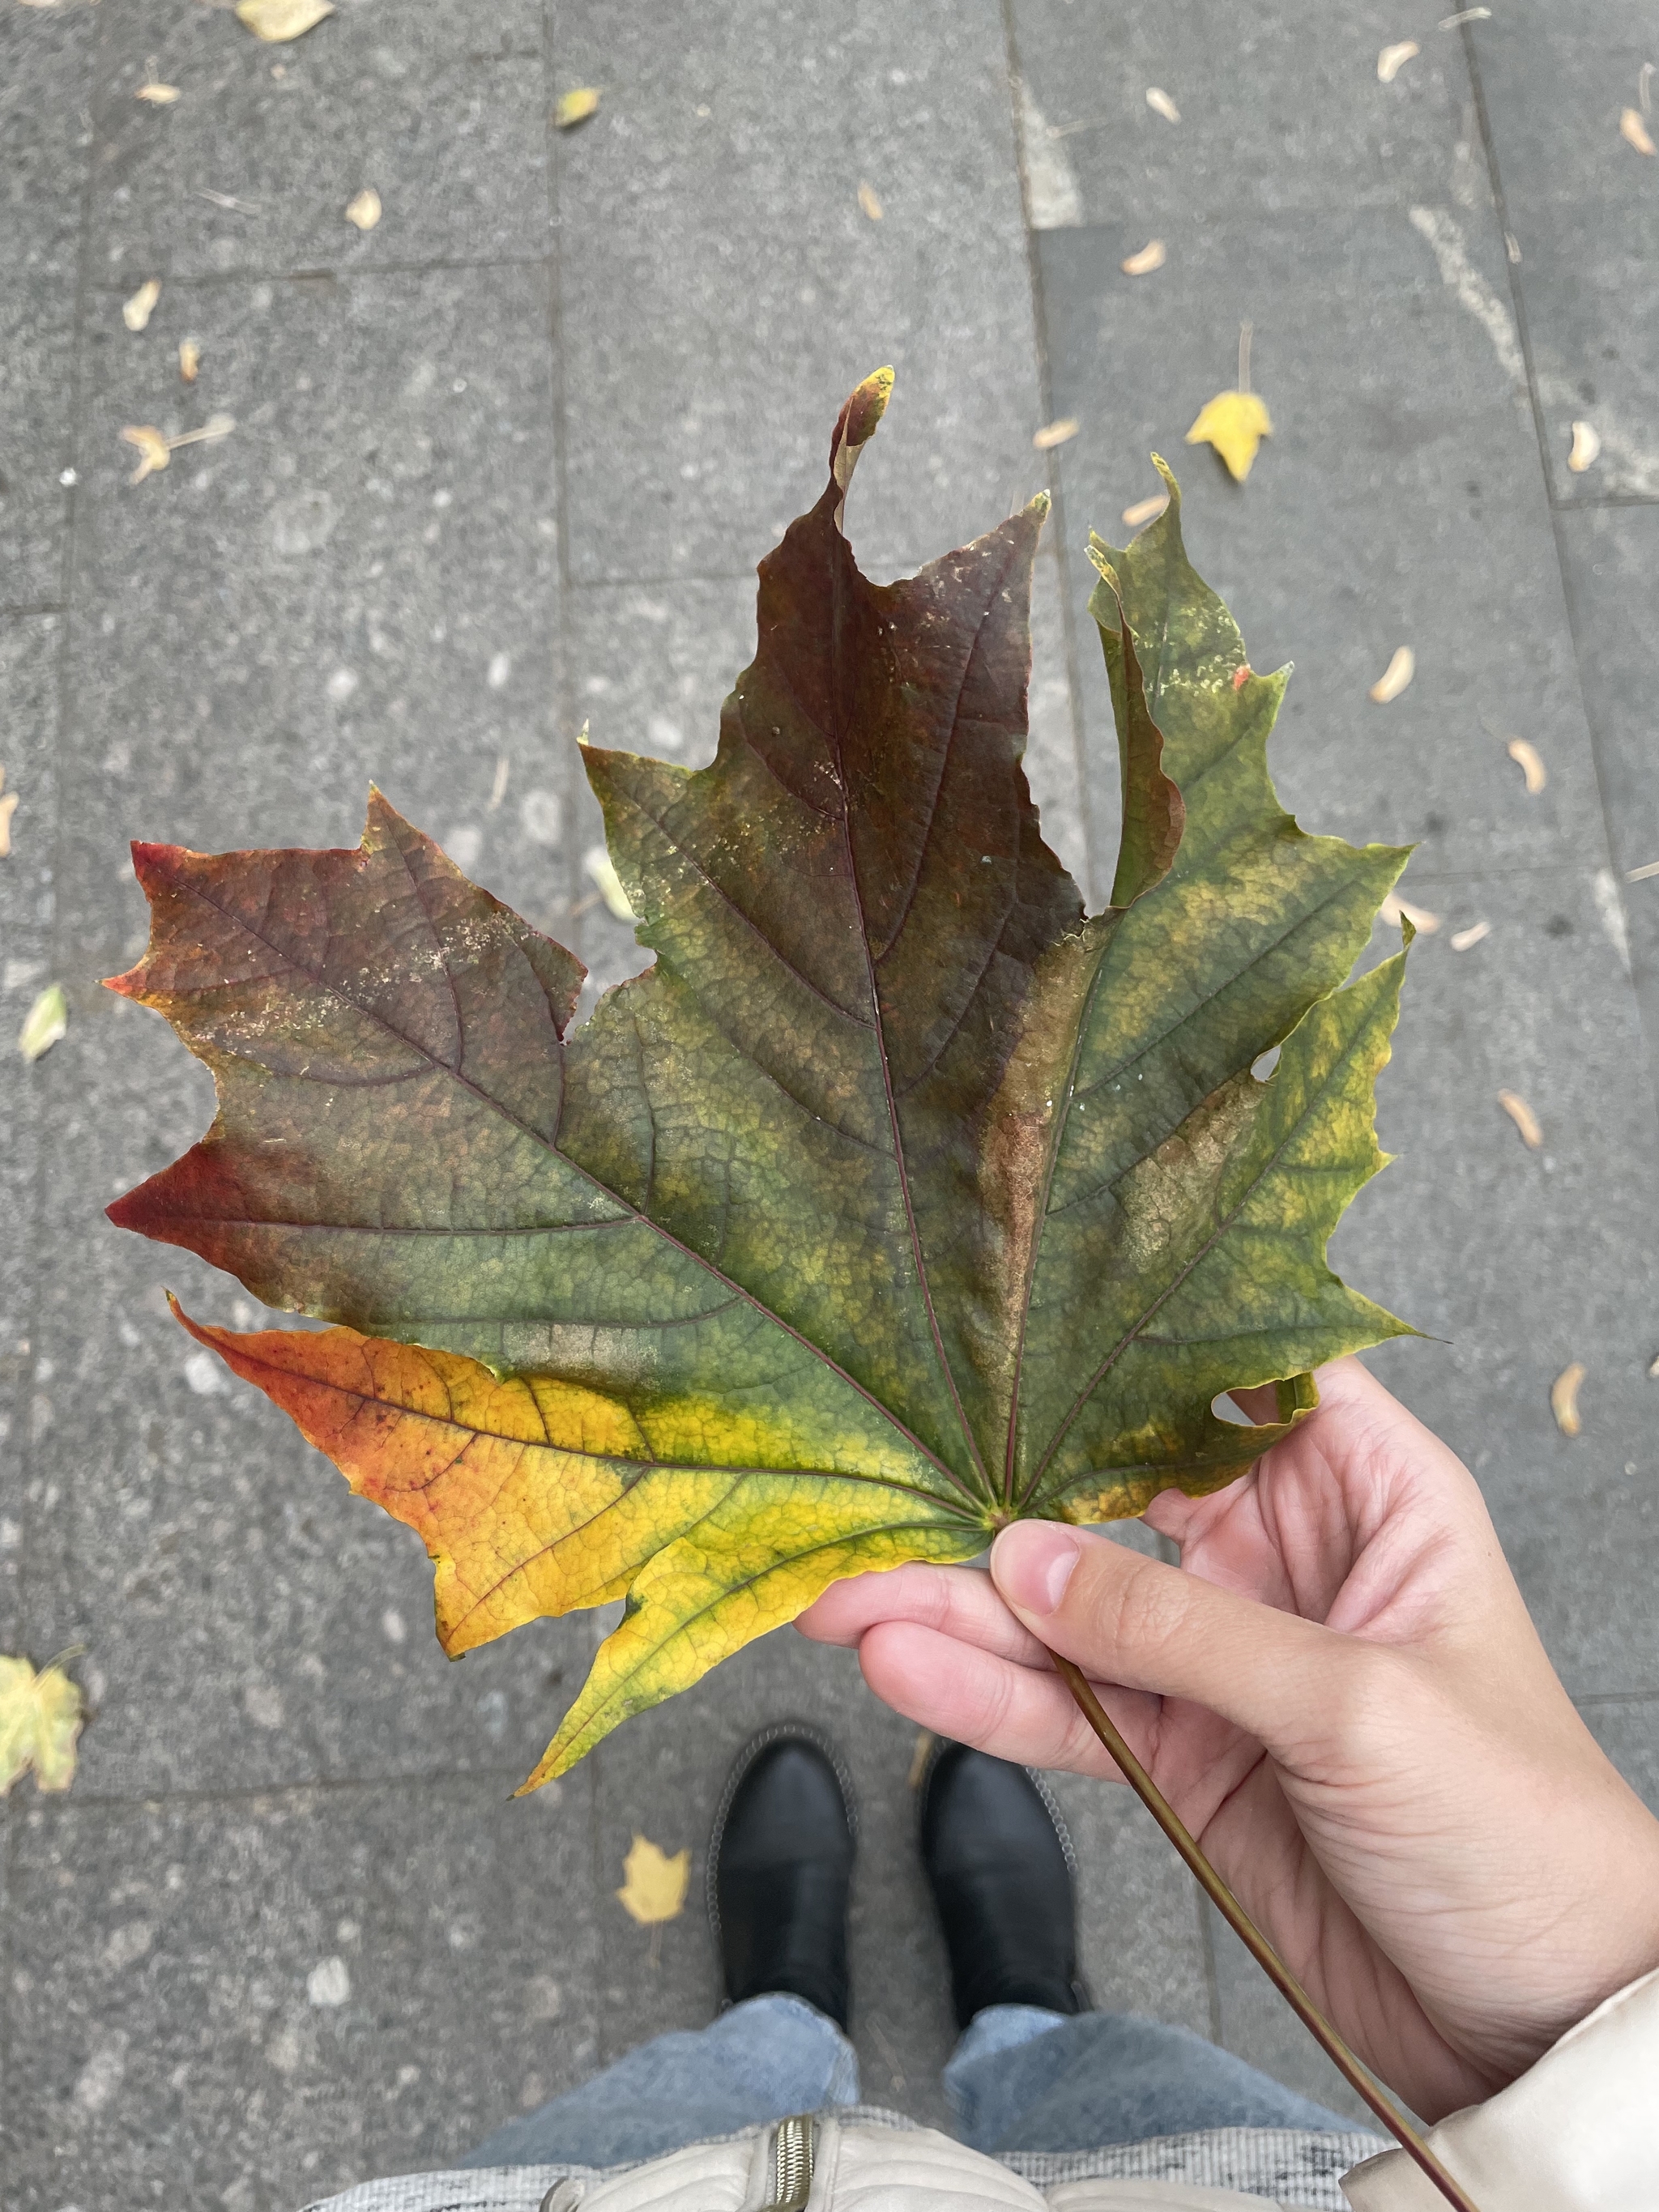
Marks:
<point>895,1200</point>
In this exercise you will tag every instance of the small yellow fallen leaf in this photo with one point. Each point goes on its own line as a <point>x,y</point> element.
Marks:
<point>1564,1398</point>
<point>137,311</point>
<point>918,1758</point>
<point>277,21</point>
<point>1161,104</point>
<point>1235,423</point>
<point>1395,910</point>
<point>1151,256</point>
<point>1461,940</point>
<point>1586,448</point>
<point>1393,59</point>
<point>1634,131</point>
<point>1531,764</point>
<point>47,1021</point>
<point>1145,510</point>
<point>152,448</point>
<point>1395,676</point>
<point>597,867</point>
<point>190,359</point>
<point>654,1885</point>
<point>1523,1118</point>
<point>869,203</point>
<point>158,95</point>
<point>40,1717</point>
<point>573,107</point>
<point>365,209</point>
<point>1055,433</point>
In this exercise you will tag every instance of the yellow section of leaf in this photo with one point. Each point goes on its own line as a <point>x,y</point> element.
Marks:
<point>653,1882</point>
<point>190,359</point>
<point>1564,1398</point>
<point>1395,676</point>
<point>1523,1118</point>
<point>365,209</point>
<point>1055,433</point>
<point>158,95</point>
<point>1161,104</point>
<point>136,312</point>
<point>1635,132</point>
<point>573,107</point>
<point>1393,59</point>
<point>1586,448</point>
<point>46,1023</point>
<point>869,203</point>
<point>1235,423</point>
<point>277,21</point>
<point>1530,762</point>
<point>40,1717</point>
<point>1151,256</point>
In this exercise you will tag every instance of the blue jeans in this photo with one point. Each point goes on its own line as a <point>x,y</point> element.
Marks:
<point>1019,2079</point>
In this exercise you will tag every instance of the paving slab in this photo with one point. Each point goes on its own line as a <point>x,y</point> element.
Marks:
<point>442,111</point>
<point>722,289</point>
<point>248,2001</point>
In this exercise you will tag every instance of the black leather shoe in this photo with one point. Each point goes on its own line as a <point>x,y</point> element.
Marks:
<point>999,1863</point>
<point>781,1870</point>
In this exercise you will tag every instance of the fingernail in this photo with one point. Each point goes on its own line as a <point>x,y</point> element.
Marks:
<point>1032,1563</point>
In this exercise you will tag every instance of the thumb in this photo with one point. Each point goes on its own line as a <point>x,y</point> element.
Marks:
<point>1127,1618</point>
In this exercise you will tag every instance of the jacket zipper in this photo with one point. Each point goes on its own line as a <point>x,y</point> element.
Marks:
<point>791,2165</point>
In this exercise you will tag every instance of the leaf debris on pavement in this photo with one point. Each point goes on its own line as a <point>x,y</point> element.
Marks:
<point>1151,256</point>
<point>190,360</point>
<point>1641,875</point>
<point>158,95</point>
<point>1530,762</point>
<point>45,1025</point>
<point>1145,510</point>
<point>1161,104</point>
<point>653,1882</point>
<point>1586,448</point>
<point>40,1717</point>
<point>869,203</point>
<point>1634,131</point>
<point>7,808</point>
<point>571,109</point>
<point>276,22</point>
<point>1462,940</point>
<point>1564,1398</point>
<point>365,209</point>
<point>156,452</point>
<point>919,1756</point>
<point>137,311</point>
<point>1055,433</point>
<point>1532,1136</point>
<point>1395,676</point>
<point>1466,16</point>
<point>1393,59</point>
<point>1395,910</point>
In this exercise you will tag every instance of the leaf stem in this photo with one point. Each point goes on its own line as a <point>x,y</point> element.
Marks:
<point>1254,1941</point>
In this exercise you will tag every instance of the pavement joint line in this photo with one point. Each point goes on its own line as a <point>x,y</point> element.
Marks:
<point>28,613</point>
<point>207,280</point>
<point>337,1785</point>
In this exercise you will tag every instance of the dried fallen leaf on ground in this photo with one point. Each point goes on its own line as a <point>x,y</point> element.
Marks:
<point>47,1021</point>
<point>654,1884</point>
<point>1564,1398</point>
<point>1466,16</point>
<point>1634,131</point>
<point>277,21</point>
<point>1586,448</point>
<point>1055,433</point>
<point>498,788</point>
<point>573,107</point>
<point>1151,256</point>
<point>7,808</point>
<point>365,209</point>
<point>1235,423</point>
<point>40,1717</point>
<point>1395,910</point>
<point>1393,59</point>
<point>1530,762</point>
<point>1640,875</point>
<point>190,359</point>
<point>1395,676</point>
<point>1161,104</point>
<point>1145,510</point>
<point>869,203</point>
<point>600,870</point>
<point>137,311</point>
<point>152,448</point>
<point>1462,939</point>
<point>158,95</point>
<point>1523,1118</point>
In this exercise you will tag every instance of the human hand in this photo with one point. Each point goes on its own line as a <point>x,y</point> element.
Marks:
<point>1341,1692</point>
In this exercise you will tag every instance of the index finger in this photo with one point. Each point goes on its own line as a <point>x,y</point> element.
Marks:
<point>958,1602</point>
